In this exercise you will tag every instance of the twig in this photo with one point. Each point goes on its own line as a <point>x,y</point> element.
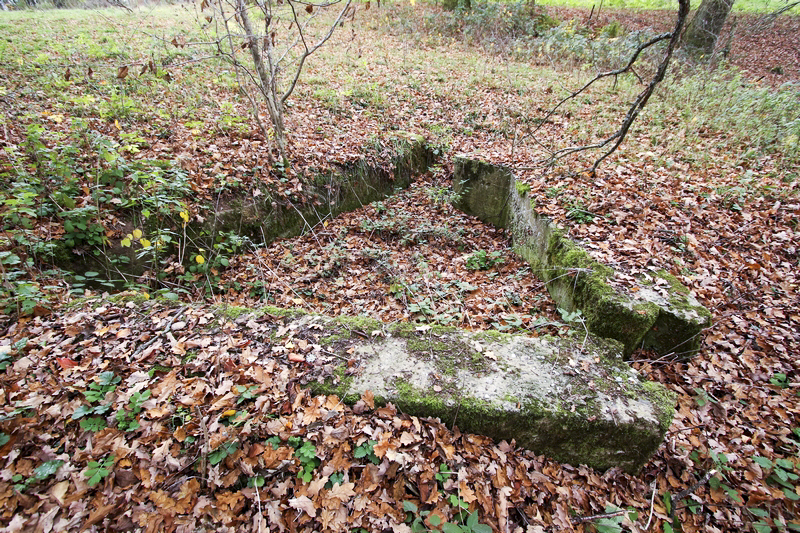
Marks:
<point>652,504</point>
<point>149,343</point>
<point>689,490</point>
<point>335,355</point>
<point>582,519</point>
<point>205,448</point>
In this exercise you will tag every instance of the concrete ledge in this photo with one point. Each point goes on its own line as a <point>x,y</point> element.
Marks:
<point>573,399</point>
<point>656,313</point>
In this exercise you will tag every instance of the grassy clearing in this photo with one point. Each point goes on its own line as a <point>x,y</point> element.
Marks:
<point>442,75</point>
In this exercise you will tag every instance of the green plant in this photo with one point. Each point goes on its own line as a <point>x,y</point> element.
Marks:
<point>481,260</point>
<point>441,195</point>
<point>577,211</point>
<point>612,30</point>
<point>246,393</point>
<point>782,475</point>
<point>366,449</point>
<point>571,316</point>
<point>306,454</point>
<point>423,306</point>
<point>720,480</point>
<point>469,525</point>
<point>337,478</point>
<point>780,380</point>
<point>92,423</point>
<point>126,419</point>
<point>415,518</point>
<point>443,474</point>
<point>17,294</point>
<point>40,473</point>
<point>97,471</point>
<point>223,450</point>
<point>96,392</point>
<point>106,382</point>
<point>80,228</point>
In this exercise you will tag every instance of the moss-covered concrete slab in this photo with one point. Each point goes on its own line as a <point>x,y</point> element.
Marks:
<point>657,312</point>
<point>264,218</point>
<point>573,399</point>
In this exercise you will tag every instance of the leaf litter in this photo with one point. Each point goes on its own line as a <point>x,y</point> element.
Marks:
<point>218,440</point>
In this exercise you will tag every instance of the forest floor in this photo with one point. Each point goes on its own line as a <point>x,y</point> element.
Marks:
<point>109,403</point>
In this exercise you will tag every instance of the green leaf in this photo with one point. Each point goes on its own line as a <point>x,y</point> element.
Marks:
<point>435,520</point>
<point>108,378</point>
<point>447,527</point>
<point>409,507</point>
<point>668,502</point>
<point>20,344</point>
<point>472,519</point>
<point>758,512</point>
<point>762,527</point>
<point>733,494</point>
<point>608,525</point>
<point>4,439</point>
<point>257,481</point>
<point>94,424</point>
<point>785,463</point>
<point>668,528</point>
<point>82,411</point>
<point>47,469</point>
<point>481,528</point>
<point>791,494</point>
<point>763,462</point>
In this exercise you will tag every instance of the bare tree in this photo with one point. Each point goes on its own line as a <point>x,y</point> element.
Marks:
<point>277,53</point>
<point>613,142</point>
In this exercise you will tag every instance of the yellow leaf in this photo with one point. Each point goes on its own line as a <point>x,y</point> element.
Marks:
<point>200,259</point>
<point>145,243</point>
<point>126,242</point>
<point>116,123</point>
<point>137,234</point>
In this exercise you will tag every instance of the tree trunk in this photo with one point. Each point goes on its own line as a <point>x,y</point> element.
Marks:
<point>703,30</point>
<point>267,78</point>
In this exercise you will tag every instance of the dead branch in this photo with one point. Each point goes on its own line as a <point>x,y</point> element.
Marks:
<point>641,100</point>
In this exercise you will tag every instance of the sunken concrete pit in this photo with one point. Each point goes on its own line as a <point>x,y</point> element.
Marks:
<point>655,313</point>
<point>571,398</point>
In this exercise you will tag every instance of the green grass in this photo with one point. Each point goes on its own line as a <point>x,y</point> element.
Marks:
<point>755,120</point>
<point>742,6</point>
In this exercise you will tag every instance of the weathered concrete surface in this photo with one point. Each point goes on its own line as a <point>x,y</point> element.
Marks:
<point>656,313</point>
<point>573,399</point>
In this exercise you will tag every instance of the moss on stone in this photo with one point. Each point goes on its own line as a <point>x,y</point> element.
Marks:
<point>340,386</point>
<point>522,188</point>
<point>492,335</point>
<point>663,399</point>
<point>129,296</point>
